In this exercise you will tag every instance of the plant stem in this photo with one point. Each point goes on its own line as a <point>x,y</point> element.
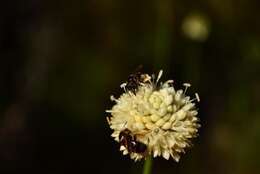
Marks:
<point>148,165</point>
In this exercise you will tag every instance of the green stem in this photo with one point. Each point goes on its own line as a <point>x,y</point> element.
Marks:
<point>148,165</point>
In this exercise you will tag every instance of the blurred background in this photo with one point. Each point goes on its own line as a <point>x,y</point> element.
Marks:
<point>61,61</point>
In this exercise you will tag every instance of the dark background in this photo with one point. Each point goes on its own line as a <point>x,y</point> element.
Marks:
<point>61,61</point>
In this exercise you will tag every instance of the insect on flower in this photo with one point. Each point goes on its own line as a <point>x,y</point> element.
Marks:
<point>135,80</point>
<point>128,141</point>
<point>152,118</point>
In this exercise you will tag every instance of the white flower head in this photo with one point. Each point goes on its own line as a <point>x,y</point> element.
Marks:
<point>153,119</point>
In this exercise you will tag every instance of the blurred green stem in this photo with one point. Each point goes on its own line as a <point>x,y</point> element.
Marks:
<point>148,165</point>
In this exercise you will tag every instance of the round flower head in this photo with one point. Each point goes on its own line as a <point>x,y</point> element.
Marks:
<point>153,119</point>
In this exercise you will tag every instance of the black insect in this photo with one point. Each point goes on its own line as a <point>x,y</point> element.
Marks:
<point>129,141</point>
<point>134,80</point>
